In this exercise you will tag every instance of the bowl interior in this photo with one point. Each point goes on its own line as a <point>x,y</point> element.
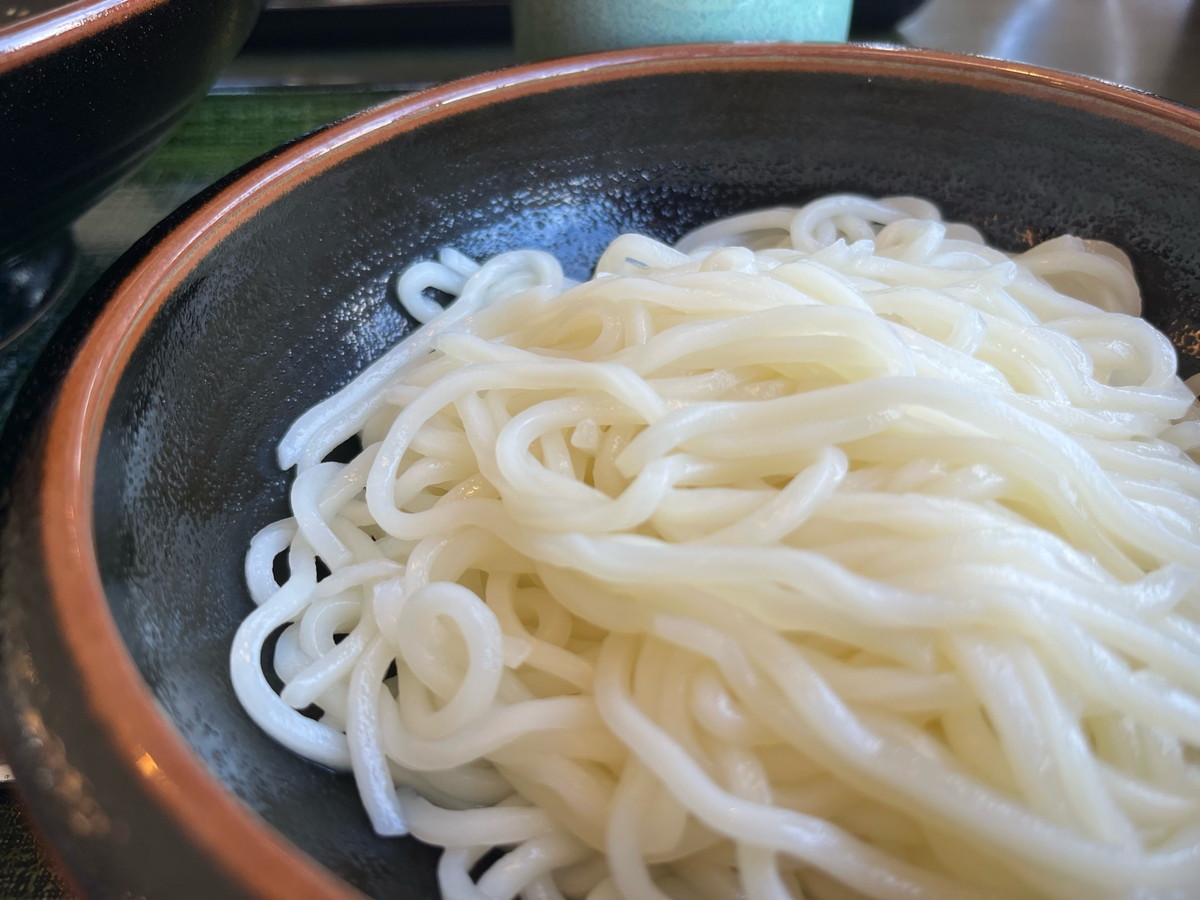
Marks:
<point>294,301</point>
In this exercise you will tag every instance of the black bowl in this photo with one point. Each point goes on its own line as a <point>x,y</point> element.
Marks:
<point>88,90</point>
<point>137,494</point>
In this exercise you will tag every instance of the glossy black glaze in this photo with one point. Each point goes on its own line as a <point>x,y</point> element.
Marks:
<point>293,303</point>
<point>31,282</point>
<point>81,109</point>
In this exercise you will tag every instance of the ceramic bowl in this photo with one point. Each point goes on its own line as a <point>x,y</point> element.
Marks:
<point>88,90</point>
<point>137,491</point>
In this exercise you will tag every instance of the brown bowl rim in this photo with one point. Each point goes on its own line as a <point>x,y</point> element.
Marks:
<point>44,33</point>
<point>118,700</point>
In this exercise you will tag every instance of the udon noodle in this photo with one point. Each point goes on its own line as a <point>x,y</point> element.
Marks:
<point>828,553</point>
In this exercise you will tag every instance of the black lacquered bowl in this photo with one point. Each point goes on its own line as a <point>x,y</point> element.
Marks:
<point>138,491</point>
<point>88,90</point>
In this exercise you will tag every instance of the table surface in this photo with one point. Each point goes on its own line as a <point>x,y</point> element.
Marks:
<point>271,95</point>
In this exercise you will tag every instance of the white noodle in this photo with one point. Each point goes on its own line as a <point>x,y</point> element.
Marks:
<point>828,553</point>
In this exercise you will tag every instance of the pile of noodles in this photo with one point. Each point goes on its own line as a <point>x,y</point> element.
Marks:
<point>830,553</point>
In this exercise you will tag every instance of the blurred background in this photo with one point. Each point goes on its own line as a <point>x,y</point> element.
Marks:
<point>1143,43</point>
<point>308,62</point>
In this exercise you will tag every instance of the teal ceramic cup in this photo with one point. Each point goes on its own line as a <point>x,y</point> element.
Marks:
<point>549,28</point>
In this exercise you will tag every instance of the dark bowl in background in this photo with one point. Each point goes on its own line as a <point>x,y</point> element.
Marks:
<point>88,90</point>
<point>136,494</point>
<point>879,15</point>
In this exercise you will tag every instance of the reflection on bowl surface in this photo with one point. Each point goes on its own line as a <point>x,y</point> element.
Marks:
<point>24,9</point>
<point>272,292</point>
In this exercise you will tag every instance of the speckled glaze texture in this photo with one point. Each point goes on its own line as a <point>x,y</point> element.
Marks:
<point>157,465</point>
<point>548,28</point>
<point>89,89</point>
